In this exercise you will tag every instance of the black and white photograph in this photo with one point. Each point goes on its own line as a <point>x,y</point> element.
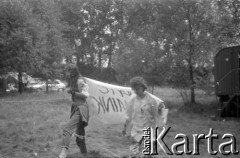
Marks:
<point>119,78</point>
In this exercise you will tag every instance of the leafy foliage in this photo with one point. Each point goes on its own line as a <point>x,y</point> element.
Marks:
<point>166,41</point>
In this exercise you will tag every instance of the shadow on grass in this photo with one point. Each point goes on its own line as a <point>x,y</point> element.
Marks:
<point>210,110</point>
<point>199,108</point>
<point>91,154</point>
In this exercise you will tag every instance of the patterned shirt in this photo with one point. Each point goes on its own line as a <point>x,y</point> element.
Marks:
<point>142,112</point>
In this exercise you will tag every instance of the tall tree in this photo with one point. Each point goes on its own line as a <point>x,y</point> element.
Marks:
<point>53,46</point>
<point>95,26</point>
<point>16,45</point>
<point>188,33</point>
<point>31,38</point>
<point>225,17</point>
<point>142,30</point>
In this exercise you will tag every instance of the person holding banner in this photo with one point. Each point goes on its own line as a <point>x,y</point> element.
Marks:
<point>79,114</point>
<point>142,111</point>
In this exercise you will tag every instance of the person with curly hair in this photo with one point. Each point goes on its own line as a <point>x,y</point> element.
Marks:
<point>141,112</point>
<point>79,114</point>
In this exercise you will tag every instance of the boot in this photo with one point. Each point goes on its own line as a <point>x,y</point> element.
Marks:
<point>81,144</point>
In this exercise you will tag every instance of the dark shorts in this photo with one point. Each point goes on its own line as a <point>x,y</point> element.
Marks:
<point>82,110</point>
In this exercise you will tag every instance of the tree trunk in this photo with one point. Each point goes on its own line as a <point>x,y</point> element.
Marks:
<point>100,52</point>
<point>47,85</point>
<point>191,51</point>
<point>100,58</point>
<point>4,82</point>
<point>20,82</point>
<point>192,89</point>
<point>110,53</point>
<point>92,56</point>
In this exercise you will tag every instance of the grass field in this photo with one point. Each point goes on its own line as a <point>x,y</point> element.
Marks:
<point>30,126</point>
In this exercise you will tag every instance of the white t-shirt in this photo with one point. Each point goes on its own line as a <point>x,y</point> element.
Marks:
<point>142,112</point>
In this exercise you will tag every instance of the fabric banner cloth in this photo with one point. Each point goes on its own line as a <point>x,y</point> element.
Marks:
<point>108,102</point>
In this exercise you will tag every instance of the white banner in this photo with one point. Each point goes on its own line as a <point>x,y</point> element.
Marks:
<point>108,102</point>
